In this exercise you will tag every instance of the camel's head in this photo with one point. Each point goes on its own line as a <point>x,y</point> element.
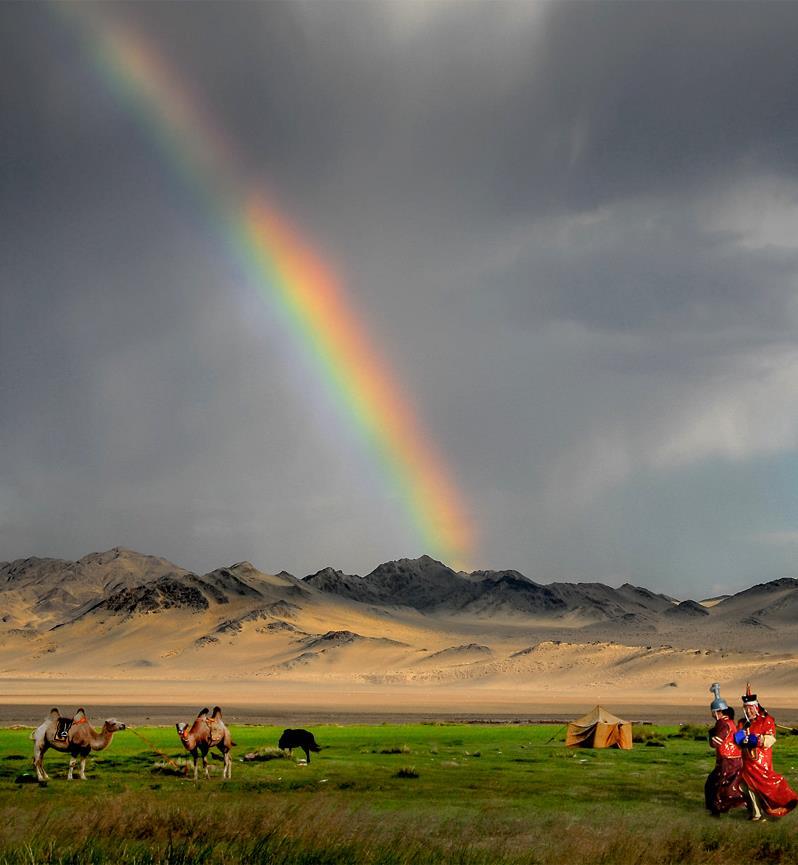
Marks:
<point>114,726</point>
<point>182,730</point>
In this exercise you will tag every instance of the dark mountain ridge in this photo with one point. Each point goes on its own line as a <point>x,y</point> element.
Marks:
<point>45,593</point>
<point>427,585</point>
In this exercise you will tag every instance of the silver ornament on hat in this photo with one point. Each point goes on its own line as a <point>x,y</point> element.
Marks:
<point>718,704</point>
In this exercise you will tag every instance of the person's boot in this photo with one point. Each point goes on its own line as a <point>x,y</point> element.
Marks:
<point>754,812</point>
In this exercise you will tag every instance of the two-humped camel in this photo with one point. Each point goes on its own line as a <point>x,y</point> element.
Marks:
<point>79,742</point>
<point>206,733</point>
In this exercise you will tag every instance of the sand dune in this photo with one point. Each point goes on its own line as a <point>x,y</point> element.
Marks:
<point>140,629</point>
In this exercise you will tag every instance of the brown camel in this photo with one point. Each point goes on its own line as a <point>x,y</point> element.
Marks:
<point>206,733</point>
<point>77,739</point>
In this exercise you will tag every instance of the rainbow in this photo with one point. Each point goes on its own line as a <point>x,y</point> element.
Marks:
<point>288,274</point>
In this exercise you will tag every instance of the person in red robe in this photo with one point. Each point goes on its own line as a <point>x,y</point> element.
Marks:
<point>722,790</point>
<point>768,793</point>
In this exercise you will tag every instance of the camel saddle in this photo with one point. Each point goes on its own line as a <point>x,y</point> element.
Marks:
<point>62,726</point>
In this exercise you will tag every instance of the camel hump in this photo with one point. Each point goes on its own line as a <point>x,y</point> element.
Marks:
<point>79,713</point>
<point>54,714</point>
<point>203,712</point>
<point>217,712</point>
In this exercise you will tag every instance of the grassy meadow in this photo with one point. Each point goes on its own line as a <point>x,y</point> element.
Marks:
<point>386,795</point>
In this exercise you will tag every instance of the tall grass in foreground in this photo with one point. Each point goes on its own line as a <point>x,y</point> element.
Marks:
<point>475,796</point>
<point>130,831</point>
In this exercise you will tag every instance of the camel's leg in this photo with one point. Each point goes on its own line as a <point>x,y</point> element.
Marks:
<point>205,767</point>
<point>37,762</point>
<point>39,748</point>
<point>224,764</point>
<point>228,765</point>
<point>195,755</point>
<point>72,761</point>
<point>82,768</point>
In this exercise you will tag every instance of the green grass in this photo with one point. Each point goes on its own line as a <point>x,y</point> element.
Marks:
<point>386,795</point>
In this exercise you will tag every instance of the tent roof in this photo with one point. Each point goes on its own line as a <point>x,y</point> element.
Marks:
<point>598,715</point>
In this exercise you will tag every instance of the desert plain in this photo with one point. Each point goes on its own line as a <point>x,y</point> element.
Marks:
<point>133,633</point>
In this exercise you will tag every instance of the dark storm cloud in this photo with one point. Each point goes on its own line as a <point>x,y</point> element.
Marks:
<point>656,270</point>
<point>480,106</point>
<point>670,92</point>
<point>570,106</point>
<point>531,205</point>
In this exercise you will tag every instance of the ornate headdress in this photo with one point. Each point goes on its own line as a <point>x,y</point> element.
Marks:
<point>718,704</point>
<point>748,697</point>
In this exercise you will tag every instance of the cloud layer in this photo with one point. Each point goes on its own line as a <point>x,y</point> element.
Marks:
<point>571,228</point>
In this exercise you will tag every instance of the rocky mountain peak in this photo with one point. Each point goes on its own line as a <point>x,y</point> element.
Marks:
<point>161,594</point>
<point>423,583</point>
<point>688,609</point>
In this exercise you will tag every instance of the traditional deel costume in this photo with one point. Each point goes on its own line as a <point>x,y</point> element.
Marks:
<point>722,790</point>
<point>768,793</point>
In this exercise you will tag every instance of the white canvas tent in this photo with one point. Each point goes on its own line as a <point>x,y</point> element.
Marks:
<point>599,729</point>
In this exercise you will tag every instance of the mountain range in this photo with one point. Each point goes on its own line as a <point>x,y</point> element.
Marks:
<point>412,625</point>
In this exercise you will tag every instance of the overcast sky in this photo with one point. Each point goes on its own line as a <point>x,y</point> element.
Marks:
<point>572,230</point>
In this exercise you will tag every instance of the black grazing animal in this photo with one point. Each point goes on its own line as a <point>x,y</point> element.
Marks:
<point>298,739</point>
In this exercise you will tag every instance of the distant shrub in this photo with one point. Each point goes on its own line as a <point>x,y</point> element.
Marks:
<point>644,735</point>
<point>27,778</point>
<point>262,755</point>
<point>161,767</point>
<point>690,731</point>
<point>406,772</point>
<point>405,749</point>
